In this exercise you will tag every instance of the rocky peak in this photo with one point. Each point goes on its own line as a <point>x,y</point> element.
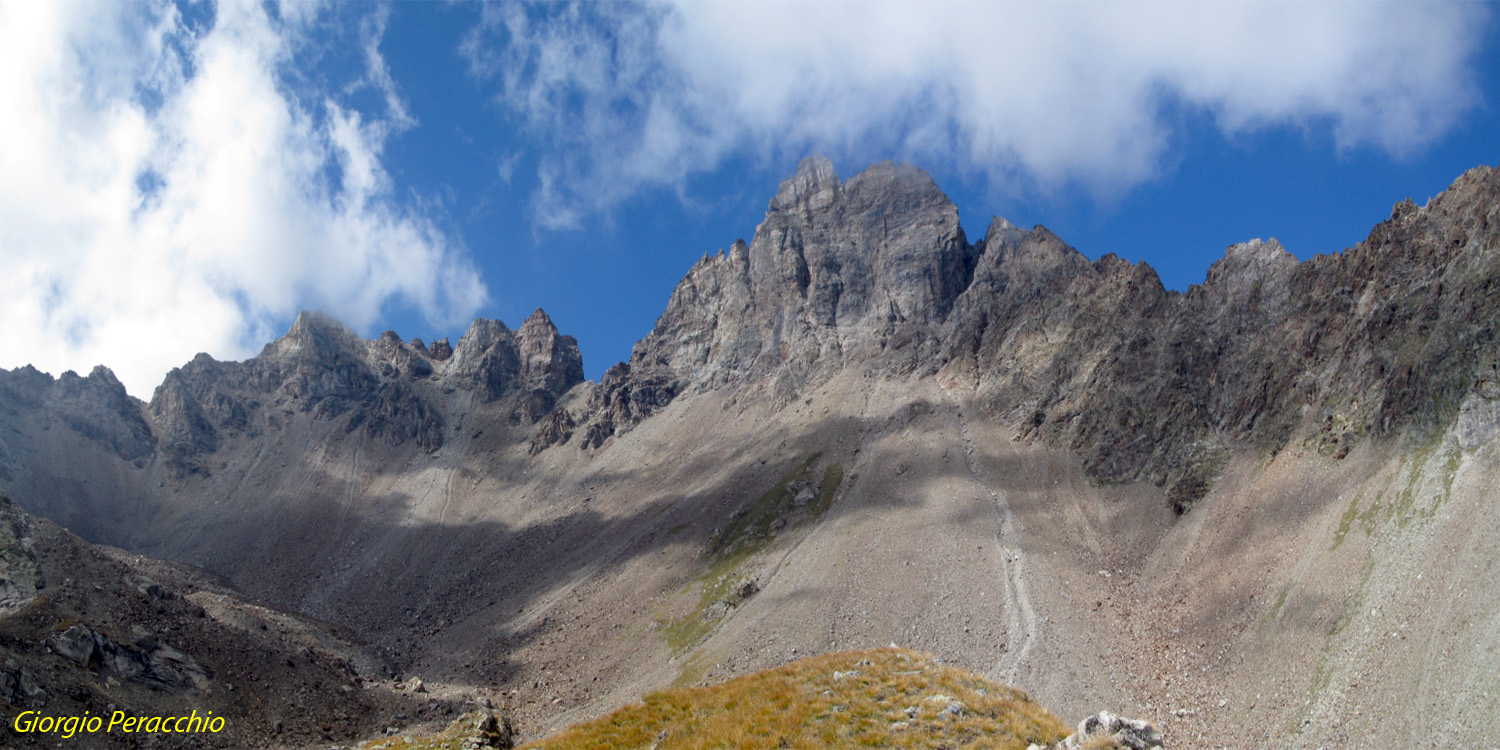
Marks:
<point>813,188</point>
<point>536,359</point>
<point>314,336</point>
<point>884,248</point>
<point>1037,258</point>
<point>1252,277</point>
<point>1254,259</point>
<point>486,357</point>
<point>549,361</point>
<point>538,325</point>
<point>395,358</point>
<point>834,273</point>
<point>96,407</point>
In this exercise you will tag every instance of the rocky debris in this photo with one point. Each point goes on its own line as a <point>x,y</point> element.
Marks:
<point>148,587</point>
<point>154,664</point>
<point>117,631</point>
<point>20,687</point>
<point>954,710</point>
<point>20,573</point>
<point>1105,730</point>
<point>722,606</point>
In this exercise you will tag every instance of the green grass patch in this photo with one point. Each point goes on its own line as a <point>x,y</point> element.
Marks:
<point>693,669</point>
<point>1419,500</point>
<point>1346,521</point>
<point>749,531</point>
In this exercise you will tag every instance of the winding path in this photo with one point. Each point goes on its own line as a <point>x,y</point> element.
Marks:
<point>1022,628</point>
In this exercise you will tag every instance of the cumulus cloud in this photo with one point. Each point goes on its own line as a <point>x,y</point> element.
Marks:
<point>163,190</point>
<point>1039,95</point>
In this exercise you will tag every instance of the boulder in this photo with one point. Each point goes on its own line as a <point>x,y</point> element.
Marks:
<point>1105,730</point>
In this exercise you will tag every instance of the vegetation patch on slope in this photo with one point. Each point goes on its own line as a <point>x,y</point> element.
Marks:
<point>881,698</point>
<point>796,500</point>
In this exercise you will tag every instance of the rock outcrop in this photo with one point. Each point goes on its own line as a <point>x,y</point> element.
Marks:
<point>536,362</point>
<point>1105,730</point>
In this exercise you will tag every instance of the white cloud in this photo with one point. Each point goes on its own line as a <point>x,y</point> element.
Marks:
<point>1046,95</point>
<point>163,193</point>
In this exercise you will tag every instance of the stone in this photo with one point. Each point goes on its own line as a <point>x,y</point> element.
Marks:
<point>162,667</point>
<point>491,731</point>
<point>1105,730</point>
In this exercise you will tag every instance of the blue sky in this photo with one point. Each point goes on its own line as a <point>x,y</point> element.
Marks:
<point>184,177</point>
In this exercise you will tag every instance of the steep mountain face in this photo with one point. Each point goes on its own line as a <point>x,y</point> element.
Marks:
<point>386,388</point>
<point>1144,383</point>
<point>862,428</point>
<point>1141,382</point>
<point>834,272</point>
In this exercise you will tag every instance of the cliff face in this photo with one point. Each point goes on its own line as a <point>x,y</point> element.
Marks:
<point>875,273</point>
<point>833,271</point>
<point>1141,382</point>
<point>390,390</point>
<point>1144,383</point>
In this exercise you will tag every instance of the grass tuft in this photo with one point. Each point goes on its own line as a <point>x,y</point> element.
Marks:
<point>882,698</point>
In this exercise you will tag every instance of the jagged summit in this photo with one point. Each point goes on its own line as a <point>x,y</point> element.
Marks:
<point>814,187</point>
<point>876,270</point>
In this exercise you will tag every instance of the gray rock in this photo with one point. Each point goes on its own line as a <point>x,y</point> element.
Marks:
<point>1104,727</point>
<point>20,573</point>
<point>163,667</point>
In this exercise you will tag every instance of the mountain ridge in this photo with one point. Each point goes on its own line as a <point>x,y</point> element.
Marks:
<point>1000,414</point>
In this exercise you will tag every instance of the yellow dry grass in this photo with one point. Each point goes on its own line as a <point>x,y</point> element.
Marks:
<point>881,698</point>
